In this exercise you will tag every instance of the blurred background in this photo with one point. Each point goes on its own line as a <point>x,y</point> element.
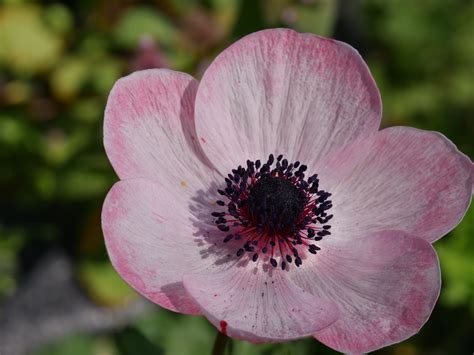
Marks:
<point>58,61</point>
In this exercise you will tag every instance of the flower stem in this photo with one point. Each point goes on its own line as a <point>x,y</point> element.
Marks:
<point>220,344</point>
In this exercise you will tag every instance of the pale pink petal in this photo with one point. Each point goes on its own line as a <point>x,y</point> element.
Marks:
<point>385,286</point>
<point>152,239</point>
<point>248,303</point>
<point>149,130</point>
<point>278,91</point>
<point>405,179</point>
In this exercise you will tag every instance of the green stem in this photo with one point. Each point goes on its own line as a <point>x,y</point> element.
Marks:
<point>220,344</point>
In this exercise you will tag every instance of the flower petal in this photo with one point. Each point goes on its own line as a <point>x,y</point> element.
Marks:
<point>151,240</point>
<point>278,91</point>
<point>258,306</point>
<point>149,129</point>
<point>405,179</point>
<point>385,286</point>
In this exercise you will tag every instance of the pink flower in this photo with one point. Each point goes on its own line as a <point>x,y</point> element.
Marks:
<point>202,223</point>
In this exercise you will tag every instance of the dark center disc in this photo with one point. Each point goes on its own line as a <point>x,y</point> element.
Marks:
<point>276,203</point>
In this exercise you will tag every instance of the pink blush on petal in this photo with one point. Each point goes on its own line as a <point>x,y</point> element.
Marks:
<point>148,128</point>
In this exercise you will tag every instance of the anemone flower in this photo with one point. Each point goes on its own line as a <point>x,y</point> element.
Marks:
<point>266,199</point>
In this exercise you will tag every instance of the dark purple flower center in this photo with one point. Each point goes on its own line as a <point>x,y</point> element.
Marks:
<point>277,203</point>
<point>273,210</point>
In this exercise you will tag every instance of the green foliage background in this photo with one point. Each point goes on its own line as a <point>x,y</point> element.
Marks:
<point>58,61</point>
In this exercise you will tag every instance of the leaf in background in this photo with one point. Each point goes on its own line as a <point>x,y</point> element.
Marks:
<point>313,16</point>
<point>225,12</point>
<point>11,241</point>
<point>140,21</point>
<point>59,18</point>
<point>456,253</point>
<point>87,110</point>
<point>104,73</point>
<point>17,92</point>
<point>180,59</point>
<point>316,17</point>
<point>94,45</point>
<point>411,101</point>
<point>274,10</point>
<point>303,346</point>
<point>68,78</point>
<point>104,285</point>
<point>73,345</point>
<point>44,182</point>
<point>12,131</point>
<point>178,333</point>
<point>250,18</point>
<point>58,146</point>
<point>131,341</point>
<point>81,184</point>
<point>27,46</point>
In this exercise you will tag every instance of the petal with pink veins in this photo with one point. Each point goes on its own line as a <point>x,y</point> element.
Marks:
<point>385,286</point>
<point>153,239</point>
<point>278,91</point>
<point>405,179</point>
<point>149,130</point>
<point>259,306</point>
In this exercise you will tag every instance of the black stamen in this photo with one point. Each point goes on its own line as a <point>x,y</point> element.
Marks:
<point>223,227</point>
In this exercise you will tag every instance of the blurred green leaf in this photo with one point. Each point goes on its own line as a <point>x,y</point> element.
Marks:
<point>456,253</point>
<point>178,334</point>
<point>58,146</point>
<point>184,6</point>
<point>45,182</point>
<point>27,46</point>
<point>181,58</point>
<point>316,17</point>
<point>87,110</point>
<point>141,21</point>
<point>94,46</point>
<point>11,242</point>
<point>225,12</point>
<point>72,345</point>
<point>131,341</point>
<point>12,131</point>
<point>59,18</point>
<point>413,100</point>
<point>250,18</point>
<point>104,285</point>
<point>69,77</point>
<point>104,73</point>
<point>17,92</point>
<point>274,10</point>
<point>81,184</point>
